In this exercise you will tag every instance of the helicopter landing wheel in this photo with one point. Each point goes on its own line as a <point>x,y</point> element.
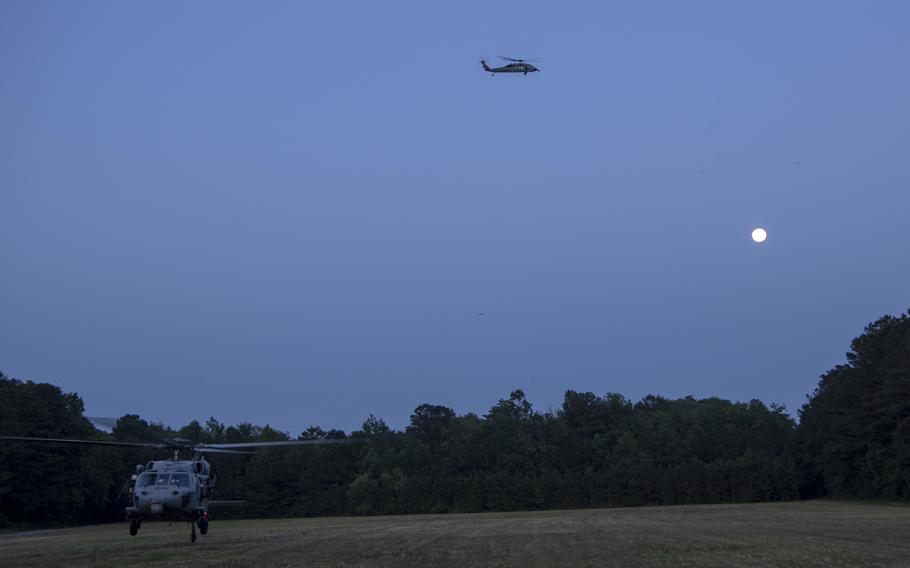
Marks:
<point>203,525</point>
<point>134,527</point>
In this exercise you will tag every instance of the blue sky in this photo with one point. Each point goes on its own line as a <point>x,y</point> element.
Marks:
<point>295,212</point>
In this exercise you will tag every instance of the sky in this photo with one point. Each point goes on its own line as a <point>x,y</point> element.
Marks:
<point>303,213</point>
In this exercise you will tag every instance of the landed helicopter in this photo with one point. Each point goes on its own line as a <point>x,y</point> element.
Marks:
<point>176,489</point>
<point>517,66</point>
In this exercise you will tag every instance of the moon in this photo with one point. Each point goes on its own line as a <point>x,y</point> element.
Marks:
<point>759,235</point>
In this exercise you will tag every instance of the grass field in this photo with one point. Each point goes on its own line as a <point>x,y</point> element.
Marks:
<point>816,533</point>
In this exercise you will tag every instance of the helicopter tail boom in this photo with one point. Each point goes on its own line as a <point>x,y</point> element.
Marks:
<point>485,66</point>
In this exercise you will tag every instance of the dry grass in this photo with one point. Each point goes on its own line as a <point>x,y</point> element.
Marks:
<point>817,533</point>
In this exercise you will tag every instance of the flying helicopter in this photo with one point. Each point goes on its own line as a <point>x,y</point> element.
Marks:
<point>177,489</point>
<point>517,66</point>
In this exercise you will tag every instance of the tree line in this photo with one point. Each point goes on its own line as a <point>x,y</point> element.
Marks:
<point>853,440</point>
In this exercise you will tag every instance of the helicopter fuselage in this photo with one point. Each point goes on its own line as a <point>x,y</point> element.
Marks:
<point>510,68</point>
<point>172,490</point>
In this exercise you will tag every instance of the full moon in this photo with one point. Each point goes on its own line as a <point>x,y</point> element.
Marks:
<point>759,235</point>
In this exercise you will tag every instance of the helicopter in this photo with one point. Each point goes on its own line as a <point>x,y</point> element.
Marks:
<point>175,489</point>
<point>517,66</point>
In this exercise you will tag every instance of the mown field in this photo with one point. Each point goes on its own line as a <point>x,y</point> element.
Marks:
<point>817,533</point>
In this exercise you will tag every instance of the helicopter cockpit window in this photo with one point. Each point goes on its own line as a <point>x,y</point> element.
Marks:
<point>163,479</point>
<point>180,479</point>
<point>146,480</point>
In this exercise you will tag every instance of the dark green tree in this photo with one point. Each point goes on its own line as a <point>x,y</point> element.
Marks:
<point>854,434</point>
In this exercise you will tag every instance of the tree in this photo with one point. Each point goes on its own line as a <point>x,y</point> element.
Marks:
<point>50,483</point>
<point>854,434</point>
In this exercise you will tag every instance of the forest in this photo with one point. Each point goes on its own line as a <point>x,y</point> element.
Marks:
<point>852,440</point>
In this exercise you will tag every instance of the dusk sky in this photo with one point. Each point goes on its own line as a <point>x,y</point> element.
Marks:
<point>301,213</point>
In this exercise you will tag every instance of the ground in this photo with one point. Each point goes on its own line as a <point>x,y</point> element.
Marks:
<point>814,533</point>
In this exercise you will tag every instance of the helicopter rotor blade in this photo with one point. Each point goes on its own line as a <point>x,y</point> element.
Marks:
<point>74,441</point>
<point>109,424</point>
<point>207,447</point>
<point>181,444</point>
<point>529,60</point>
<point>210,450</point>
<point>103,422</point>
